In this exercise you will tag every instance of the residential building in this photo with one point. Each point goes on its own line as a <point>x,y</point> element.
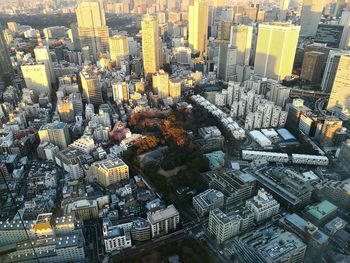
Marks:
<point>91,87</point>
<point>207,201</point>
<point>118,47</point>
<point>110,171</point>
<point>56,133</point>
<point>163,221</point>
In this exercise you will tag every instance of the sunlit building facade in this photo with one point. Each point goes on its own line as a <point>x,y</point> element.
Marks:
<point>241,38</point>
<point>310,17</point>
<point>275,51</point>
<point>118,47</point>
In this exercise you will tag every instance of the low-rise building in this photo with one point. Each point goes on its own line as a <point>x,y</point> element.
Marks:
<point>208,200</point>
<point>321,213</point>
<point>163,221</point>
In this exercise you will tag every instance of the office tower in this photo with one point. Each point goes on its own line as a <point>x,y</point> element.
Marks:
<point>36,78</point>
<point>241,38</point>
<point>12,26</point>
<point>224,31</point>
<point>275,51</point>
<point>311,70</point>
<point>328,129</point>
<point>279,94</point>
<point>92,28</point>
<point>175,88</point>
<point>91,87</point>
<point>73,35</point>
<point>339,8</point>
<point>111,171</point>
<point>227,62</point>
<point>56,133</point>
<point>310,17</point>
<point>118,47</point>
<point>284,4</point>
<point>120,91</point>
<point>150,44</point>
<point>160,83</point>
<point>42,55</point>
<point>340,93</point>
<point>198,26</point>
<point>329,34</point>
<point>6,69</point>
<point>331,69</point>
<point>345,39</point>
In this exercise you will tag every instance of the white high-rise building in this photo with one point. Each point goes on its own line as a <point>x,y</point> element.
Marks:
<point>42,55</point>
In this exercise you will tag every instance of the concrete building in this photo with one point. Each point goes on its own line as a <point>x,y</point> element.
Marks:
<point>227,62</point>
<point>321,213</point>
<point>175,88</point>
<point>91,87</point>
<point>311,70</point>
<point>263,205</point>
<point>345,21</point>
<point>83,209</point>
<point>163,221</point>
<point>310,17</point>
<point>329,34</point>
<point>160,84</point>
<point>56,133</point>
<point>141,230</point>
<point>118,47</point>
<point>111,171</point>
<point>150,44</point>
<point>37,78</point>
<point>198,26</point>
<point>340,92</point>
<point>207,201</point>
<point>223,226</point>
<point>115,237</point>
<point>241,38</point>
<point>42,55</point>
<point>6,69</point>
<point>275,51</point>
<point>92,29</point>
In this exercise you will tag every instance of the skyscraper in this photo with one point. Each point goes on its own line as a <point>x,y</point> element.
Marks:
<point>241,37</point>
<point>118,47</point>
<point>340,93</point>
<point>284,4</point>
<point>92,28</point>
<point>198,26</point>
<point>227,62</point>
<point>6,70</point>
<point>160,81</point>
<point>310,17</point>
<point>345,21</point>
<point>37,78</point>
<point>331,69</point>
<point>91,87</point>
<point>42,54</point>
<point>150,44</point>
<point>275,51</point>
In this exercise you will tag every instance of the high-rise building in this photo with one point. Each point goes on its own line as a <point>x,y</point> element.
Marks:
<point>92,28</point>
<point>241,38</point>
<point>339,8</point>
<point>42,54</point>
<point>331,69</point>
<point>6,69</point>
<point>275,51</point>
<point>227,62</point>
<point>118,47</point>
<point>284,4</point>
<point>345,39</point>
<point>311,70</point>
<point>310,17</point>
<point>340,94</point>
<point>120,91</point>
<point>224,31</point>
<point>56,133</point>
<point>175,88</point>
<point>198,26</point>
<point>150,44</point>
<point>160,83</point>
<point>36,78</point>
<point>91,87</point>
<point>329,34</point>
<point>111,171</point>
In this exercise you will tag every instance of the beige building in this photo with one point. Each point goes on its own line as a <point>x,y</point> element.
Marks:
<point>241,38</point>
<point>275,51</point>
<point>42,54</point>
<point>92,28</point>
<point>91,87</point>
<point>150,44</point>
<point>175,88</point>
<point>36,76</point>
<point>163,221</point>
<point>110,171</point>
<point>340,93</point>
<point>83,209</point>
<point>56,133</point>
<point>198,26</point>
<point>118,47</point>
<point>160,84</point>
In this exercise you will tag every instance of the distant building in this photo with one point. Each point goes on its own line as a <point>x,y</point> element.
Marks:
<point>118,47</point>
<point>311,70</point>
<point>329,34</point>
<point>310,17</point>
<point>321,213</point>
<point>150,44</point>
<point>37,78</point>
